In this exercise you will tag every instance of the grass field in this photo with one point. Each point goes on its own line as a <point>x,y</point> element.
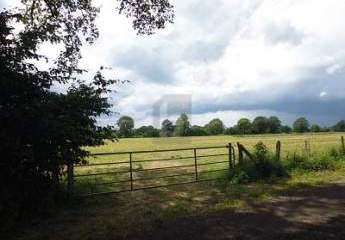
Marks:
<point>291,143</point>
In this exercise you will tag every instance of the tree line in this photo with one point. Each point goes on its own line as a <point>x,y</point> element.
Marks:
<point>182,127</point>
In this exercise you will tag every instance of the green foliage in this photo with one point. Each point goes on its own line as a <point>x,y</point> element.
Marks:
<point>260,125</point>
<point>146,131</point>
<point>126,126</point>
<point>326,129</point>
<point>327,160</point>
<point>244,126</point>
<point>167,128</point>
<point>215,127</point>
<point>301,125</point>
<point>198,131</point>
<point>340,126</point>
<point>274,124</point>
<point>182,126</point>
<point>263,166</point>
<point>315,128</point>
<point>286,129</point>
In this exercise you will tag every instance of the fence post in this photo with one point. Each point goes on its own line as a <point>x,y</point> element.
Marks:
<point>343,144</point>
<point>233,157</point>
<point>307,148</point>
<point>240,153</point>
<point>70,175</point>
<point>278,149</point>
<point>230,157</point>
<point>196,165</point>
<point>131,170</point>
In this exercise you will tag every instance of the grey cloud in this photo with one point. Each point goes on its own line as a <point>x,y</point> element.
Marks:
<point>151,64</point>
<point>301,98</point>
<point>204,51</point>
<point>202,32</point>
<point>283,34</point>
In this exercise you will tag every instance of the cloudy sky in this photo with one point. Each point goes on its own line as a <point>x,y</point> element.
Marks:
<point>228,59</point>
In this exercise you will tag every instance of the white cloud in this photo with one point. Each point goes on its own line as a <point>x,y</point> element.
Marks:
<point>323,94</point>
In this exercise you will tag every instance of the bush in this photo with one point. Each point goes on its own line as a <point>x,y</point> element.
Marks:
<point>319,162</point>
<point>263,166</point>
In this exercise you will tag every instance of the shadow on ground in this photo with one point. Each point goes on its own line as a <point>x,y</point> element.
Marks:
<point>315,213</point>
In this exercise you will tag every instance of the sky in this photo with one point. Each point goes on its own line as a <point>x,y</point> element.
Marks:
<point>227,59</point>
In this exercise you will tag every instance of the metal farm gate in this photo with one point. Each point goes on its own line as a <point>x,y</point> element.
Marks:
<point>138,170</point>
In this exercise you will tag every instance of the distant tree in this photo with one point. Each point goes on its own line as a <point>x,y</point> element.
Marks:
<point>228,131</point>
<point>232,130</point>
<point>244,126</point>
<point>326,129</point>
<point>286,129</point>
<point>146,131</point>
<point>274,124</point>
<point>215,127</point>
<point>126,126</point>
<point>260,125</point>
<point>182,126</point>
<point>301,125</point>
<point>340,126</point>
<point>198,131</point>
<point>315,128</point>
<point>167,129</point>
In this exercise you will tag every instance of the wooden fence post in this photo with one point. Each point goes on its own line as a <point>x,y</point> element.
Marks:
<point>343,144</point>
<point>307,148</point>
<point>231,166</point>
<point>131,170</point>
<point>233,157</point>
<point>196,166</point>
<point>278,149</point>
<point>240,153</point>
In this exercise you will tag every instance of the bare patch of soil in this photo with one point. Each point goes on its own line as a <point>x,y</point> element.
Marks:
<point>315,213</point>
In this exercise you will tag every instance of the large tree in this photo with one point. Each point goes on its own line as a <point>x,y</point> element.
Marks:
<point>301,125</point>
<point>274,124</point>
<point>42,130</point>
<point>340,126</point>
<point>260,125</point>
<point>126,126</point>
<point>244,126</point>
<point>167,129</point>
<point>315,128</point>
<point>215,127</point>
<point>182,126</point>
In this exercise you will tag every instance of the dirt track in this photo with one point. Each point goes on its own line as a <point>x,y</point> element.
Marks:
<point>312,214</point>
